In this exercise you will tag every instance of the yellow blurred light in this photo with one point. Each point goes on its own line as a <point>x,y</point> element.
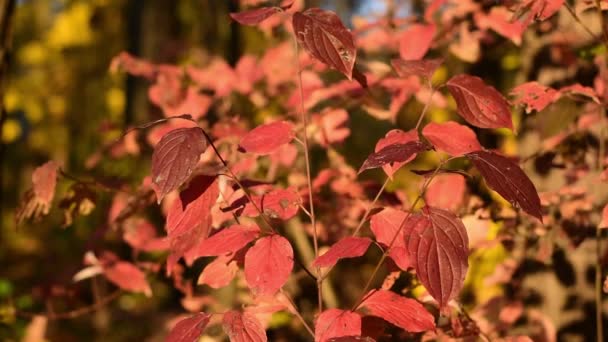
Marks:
<point>11,100</point>
<point>71,27</point>
<point>440,76</point>
<point>56,105</point>
<point>439,115</point>
<point>32,53</point>
<point>510,62</point>
<point>11,131</point>
<point>115,100</point>
<point>33,111</point>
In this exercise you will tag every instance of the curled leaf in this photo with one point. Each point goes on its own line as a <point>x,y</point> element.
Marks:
<point>403,312</point>
<point>396,153</point>
<point>334,323</point>
<point>349,247</point>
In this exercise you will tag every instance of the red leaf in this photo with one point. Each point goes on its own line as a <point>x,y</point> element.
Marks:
<point>268,264</point>
<point>127,276</point>
<point>333,127</point>
<point>228,240</point>
<point>416,41</point>
<point>352,339</point>
<point>175,157</point>
<point>243,327</point>
<point>395,136</point>
<point>449,183</point>
<point>254,16</point>
<point>577,89</point>
<point>267,138</point>
<point>333,323</point>
<point>219,272</point>
<point>385,225</point>
<point>403,312</point>
<point>189,217</point>
<point>350,247</point>
<point>278,203</point>
<point>189,329</point>
<point>501,20</point>
<point>438,247</point>
<point>44,180</point>
<point>534,96</point>
<point>424,68</point>
<point>478,103</point>
<point>396,153</point>
<point>324,36</point>
<point>507,178</point>
<point>451,137</point>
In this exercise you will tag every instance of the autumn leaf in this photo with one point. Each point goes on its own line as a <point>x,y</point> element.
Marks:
<point>385,225</point>
<point>403,312</point>
<point>189,329</point>
<point>278,203</point>
<point>324,36</point>
<point>349,247</point>
<point>509,180</point>
<point>268,264</point>
<point>451,137</point>
<point>424,68</point>
<point>333,323</point>
<point>219,272</point>
<point>534,96</point>
<point>442,184</point>
<point>267,138</point>
<point>396,153</point>
<point>395,136</point>
<point>126,276</point>
<point>37,200</point>
<point>256,16</point>
<point>415,41</point>
<point>228,240</point>
<point>175,157</point>
<point>479,104</point>
<point>243,327</point>
<point>438,248</point>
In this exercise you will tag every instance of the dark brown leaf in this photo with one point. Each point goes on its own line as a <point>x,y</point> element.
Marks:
<point>438,247</point>
<point>509,180</point>
<point>175,157</point>
<point>324,36</point>
<point>478,103</point>
<point>395,153</point>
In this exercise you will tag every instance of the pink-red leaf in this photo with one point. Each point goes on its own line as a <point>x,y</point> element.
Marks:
<point>228,240</point>
<point>268,264</point>
<point>175,157</point>
<point>438,247</point>
<point>44,180</point>
<point>334,323</point>
<point>243,327</point>
<point>267,138</point>
<point>324,36</point>
<point>189,329</point>
<point>396,153</point>
<point>534,96</point>
<point>509,180</point>
<point>189,217</point>
<point>352,339</point>
<point>219,272</point>
<point>349,247</point>
<point>453,184</point>
<point>254,16</point>
<point>478,103</point>
<point>451,137</point>
<point>423,68</point>
<point>403,312</point>
<point>127,276</point>
<point>416,41</point>
<point>385,225</point>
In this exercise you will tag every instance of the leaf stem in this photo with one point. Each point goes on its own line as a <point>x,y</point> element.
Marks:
<point>313,220</point>
<point>297,313</point>
<point>401,225</point>
<point>426,107</point>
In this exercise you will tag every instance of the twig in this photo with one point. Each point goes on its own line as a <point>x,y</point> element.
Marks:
<point>426,107</point>
<point>313,220</point>
<point>579,21</point>
<point>297,313</point>
<point>51,315</point>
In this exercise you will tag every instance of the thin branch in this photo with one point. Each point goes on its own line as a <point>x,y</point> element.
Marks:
<point>313,220</point>
<point>426,107</point>
<point>297,313</point>
<point>51,315</point>
<point>580,22</point>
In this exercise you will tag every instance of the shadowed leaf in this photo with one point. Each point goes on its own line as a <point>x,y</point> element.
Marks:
<point>403,312</point>
<point>189,329</point>
<point>395,153</point>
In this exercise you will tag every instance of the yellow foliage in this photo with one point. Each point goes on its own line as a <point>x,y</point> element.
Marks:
<point>33,111</point>
<point>57,106</point>
<point>71,27</point>
<point>510,62</point>
<point>483,263</point>
<point>11,100</point>
<point>439,115</point>
<point>32,53</point>
<point>11,131</point>
<point>440,76</point>
<point>115,100</point>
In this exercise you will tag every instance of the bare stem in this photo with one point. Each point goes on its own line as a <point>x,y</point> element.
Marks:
<point>426,107</point>
<point>390,245</point>
<point>297,313</point>
<point>313,220</point>
<point>363,219</point>
<point>580,22</point>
